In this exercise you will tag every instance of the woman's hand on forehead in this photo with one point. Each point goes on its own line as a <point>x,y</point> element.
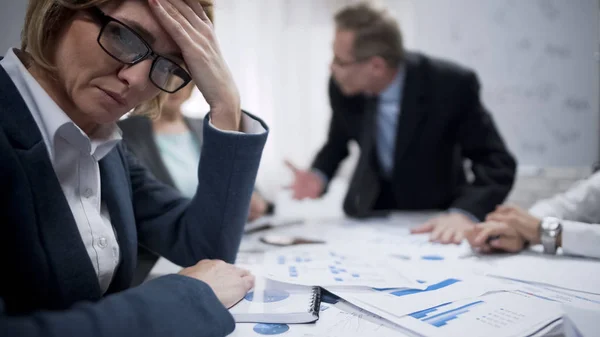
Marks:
<point>191,29</point>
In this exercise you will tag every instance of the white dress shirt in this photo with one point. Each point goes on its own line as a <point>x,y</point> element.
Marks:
<point>579,209</point>
<point>75,158</point>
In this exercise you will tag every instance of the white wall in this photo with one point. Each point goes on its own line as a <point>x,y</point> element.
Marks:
<point>12,13</point>
<point>538,65</point>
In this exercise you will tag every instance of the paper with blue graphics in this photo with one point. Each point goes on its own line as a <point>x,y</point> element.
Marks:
<point>339,320</point>
<point>274,302</point>
<point>400,244</point>
<point>565,297</point>
<point>397,302</point>
<point>547,270</point>
<point>336,265</point>
<point>500,314</point>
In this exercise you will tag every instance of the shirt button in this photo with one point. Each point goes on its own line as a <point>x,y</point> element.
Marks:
<point>88,192</point>
<point>102,242</point>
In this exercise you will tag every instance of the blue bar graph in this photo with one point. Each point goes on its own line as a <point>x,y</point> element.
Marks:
<point>432,257</point>
<point>404,292</point>
<point>440,319</point>
<point>423,313</point>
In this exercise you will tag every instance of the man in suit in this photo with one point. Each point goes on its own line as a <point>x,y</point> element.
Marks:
<point>416,120</point>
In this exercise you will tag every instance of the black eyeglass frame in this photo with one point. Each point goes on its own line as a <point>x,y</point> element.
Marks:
<point>105,19</point>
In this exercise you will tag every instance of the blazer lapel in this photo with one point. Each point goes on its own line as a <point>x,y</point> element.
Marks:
<point>412,109</point>
<point>117,196</point>
<point>67,257</point>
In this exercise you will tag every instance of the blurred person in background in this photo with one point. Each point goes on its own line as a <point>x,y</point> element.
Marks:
<point>170,147</point>
<point>416,119</point>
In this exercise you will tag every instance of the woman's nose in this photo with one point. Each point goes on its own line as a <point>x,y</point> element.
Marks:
<point>136,76</point>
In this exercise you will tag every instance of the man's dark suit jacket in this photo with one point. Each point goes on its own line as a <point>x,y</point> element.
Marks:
<point>48,285</point>
<point>442,122</point>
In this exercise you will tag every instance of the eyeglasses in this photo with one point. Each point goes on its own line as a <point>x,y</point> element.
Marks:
<point>126,46</point>
<point>344,64</point>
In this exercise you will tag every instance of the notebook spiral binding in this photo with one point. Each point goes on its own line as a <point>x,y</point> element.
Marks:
<point>315,302</point>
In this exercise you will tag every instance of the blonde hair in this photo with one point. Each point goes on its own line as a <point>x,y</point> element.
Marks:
<point>45,21</point>
<point>377,32</point>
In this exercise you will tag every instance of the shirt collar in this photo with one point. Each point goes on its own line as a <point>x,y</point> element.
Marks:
<point>393,91</point>
<point>51,119</point>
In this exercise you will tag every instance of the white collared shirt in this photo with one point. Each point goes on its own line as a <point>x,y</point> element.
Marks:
<point>75,158</point>
<point>579,210</point>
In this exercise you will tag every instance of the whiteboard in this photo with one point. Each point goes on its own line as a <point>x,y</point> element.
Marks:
<point>537,62</point>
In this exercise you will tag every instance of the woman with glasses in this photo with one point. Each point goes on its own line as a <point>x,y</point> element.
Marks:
<point>76,203</point>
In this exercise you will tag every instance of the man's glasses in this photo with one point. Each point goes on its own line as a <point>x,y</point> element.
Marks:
<point>344,64</point>
<point>126,46</point>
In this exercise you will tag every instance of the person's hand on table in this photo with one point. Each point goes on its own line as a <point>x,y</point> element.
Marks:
<point>227,281</point>
<point>446,228</point>
<point>489,237</point>
<point>527,225</point>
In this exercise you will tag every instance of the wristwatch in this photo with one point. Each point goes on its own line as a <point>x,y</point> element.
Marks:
<point>550,229</point>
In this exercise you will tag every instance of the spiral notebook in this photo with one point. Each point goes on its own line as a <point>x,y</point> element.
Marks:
<point>275,302</point>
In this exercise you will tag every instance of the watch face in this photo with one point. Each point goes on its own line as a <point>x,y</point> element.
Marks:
<point>551,224</point>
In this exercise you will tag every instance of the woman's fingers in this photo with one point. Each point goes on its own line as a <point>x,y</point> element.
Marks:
<point>166,16</point>
<point>200,11</point>
<point>186,13</point>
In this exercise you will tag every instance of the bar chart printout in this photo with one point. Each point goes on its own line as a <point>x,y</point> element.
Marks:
<point>497,314</point>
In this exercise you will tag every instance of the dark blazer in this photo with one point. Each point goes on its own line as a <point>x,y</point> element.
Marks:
<point>442,122</point>
<point>48,285</point>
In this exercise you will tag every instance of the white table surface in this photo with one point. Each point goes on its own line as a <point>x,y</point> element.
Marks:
<point>335,228</point>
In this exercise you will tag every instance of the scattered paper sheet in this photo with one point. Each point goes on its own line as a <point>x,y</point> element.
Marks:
<point>580,322</point>
<point>502,314</point>
<point>336,265</point>
<point>395,303</point>
<point>560,271</point>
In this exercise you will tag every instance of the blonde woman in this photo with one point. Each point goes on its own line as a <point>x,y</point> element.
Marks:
<point>75,203</point>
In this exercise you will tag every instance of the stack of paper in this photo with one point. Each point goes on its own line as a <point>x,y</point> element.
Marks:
<point>393,304</point>
<point>419,288</point>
